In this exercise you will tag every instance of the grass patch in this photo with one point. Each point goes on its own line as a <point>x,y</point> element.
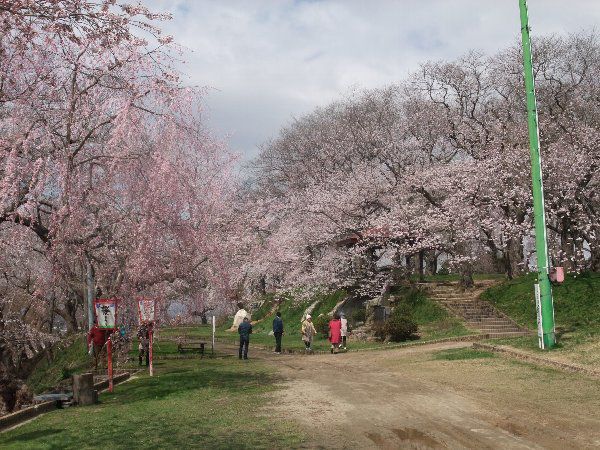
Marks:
<point>68,359</point>
<point>454,354</point>
<point>189,403</point>
<point>576,309</point>
<point>266,306</point>
<point>576,301</point>
<point>434,321</point>
<point>292,310</point>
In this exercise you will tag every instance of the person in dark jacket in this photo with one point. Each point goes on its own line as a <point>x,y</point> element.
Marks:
<point>245,330</point>
<point>278,331</point>
<point>143,335</point>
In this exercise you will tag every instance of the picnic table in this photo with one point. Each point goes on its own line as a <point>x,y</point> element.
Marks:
<point>186,345</point>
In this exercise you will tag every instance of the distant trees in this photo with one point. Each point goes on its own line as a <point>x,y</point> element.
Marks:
<point>436,165</point>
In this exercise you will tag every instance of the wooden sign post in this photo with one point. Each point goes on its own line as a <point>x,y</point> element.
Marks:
<point>106,318</point>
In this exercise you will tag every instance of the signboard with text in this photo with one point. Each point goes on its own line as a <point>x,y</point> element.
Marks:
<point>106,313</point>
<point>147,310</point>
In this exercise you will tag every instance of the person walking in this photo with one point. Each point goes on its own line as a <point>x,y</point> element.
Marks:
<point>335,333</point>
<point>278,331</point>
<point>245,330</point>
<point>308,332</point>
<point>344,330</point>
<point>143,336</point>
<point>96,339</point>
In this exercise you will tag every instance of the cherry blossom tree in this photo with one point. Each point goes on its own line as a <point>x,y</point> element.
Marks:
<point>105,167</point>
<point>438,164</point>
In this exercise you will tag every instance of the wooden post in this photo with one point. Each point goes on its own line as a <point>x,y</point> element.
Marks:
<point>151,338</point>
<point>110,365</point>
<point>213,335</point>
<point>83,389</point>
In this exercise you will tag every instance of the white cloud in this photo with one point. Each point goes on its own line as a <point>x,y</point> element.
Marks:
<point>270,60</point>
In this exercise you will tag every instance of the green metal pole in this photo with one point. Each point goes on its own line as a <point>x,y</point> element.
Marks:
<point>541,243</point>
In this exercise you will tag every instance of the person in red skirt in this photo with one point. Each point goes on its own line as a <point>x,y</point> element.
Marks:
<point>335,333</point>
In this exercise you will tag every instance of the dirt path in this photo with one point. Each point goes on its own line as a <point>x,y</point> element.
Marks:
<point>406,398</point>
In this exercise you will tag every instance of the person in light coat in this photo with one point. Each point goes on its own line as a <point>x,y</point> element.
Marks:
<point>344,330</point>
<point>308,332</point>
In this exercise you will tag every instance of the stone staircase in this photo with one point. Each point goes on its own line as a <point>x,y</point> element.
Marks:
<point>478,314</point>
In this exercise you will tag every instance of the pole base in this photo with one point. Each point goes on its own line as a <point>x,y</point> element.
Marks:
<point>549,340</point>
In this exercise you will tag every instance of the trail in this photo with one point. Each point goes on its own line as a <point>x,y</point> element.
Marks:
<point>405,398</point>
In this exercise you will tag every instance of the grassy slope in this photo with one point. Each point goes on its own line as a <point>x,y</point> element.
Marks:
<point>576,302</point>
<point>291,310</point>
<point>434,321</point>
<point>69,359</point>
<point>209,403</point>
<point>576,308</point>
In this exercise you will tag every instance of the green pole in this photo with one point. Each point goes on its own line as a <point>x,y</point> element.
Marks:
<point>541,243</point>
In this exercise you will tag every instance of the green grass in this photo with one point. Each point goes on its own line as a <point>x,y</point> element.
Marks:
<point>454,354</point>
<point>292,310</point>
<point>576,301</point>
<point>68,359</point>
<point>576,309</point>
<point>209,403</point>
<point>266,306</point>
<point>434,322</point>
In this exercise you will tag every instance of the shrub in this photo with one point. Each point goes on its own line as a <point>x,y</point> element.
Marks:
<point>322,324</point>
<point>66,373</point>
<point>379,331</point>
<point>444,270</point>
<point>358,315</point>
<point>399,327</point>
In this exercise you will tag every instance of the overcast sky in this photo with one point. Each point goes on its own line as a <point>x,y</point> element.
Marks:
<point>267,61</point>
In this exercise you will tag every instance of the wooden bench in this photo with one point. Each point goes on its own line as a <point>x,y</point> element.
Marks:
<point>191,346</point>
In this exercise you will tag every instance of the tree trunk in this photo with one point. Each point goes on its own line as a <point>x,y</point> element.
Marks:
<point>408,260</point>
<point>513,258</point>
<point>566,245</point>
<point>69,313</point>
<point>262,285</point>
<point>594,258</point>
<point>466,277</point>
<point>432,263</point>
<point>421,265</point>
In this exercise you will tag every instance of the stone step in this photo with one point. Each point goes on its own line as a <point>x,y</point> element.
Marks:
<point>469,305</point>
<point>485,309</point>
<point>477,313</point>
<point>490,321</point>
<point>498,329</point>
<point>479,317</point>
<point>495,323</point>
<point>510,334</point>
<point>464,301</point>
<point>457,299</point>
<point>449,295</point>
